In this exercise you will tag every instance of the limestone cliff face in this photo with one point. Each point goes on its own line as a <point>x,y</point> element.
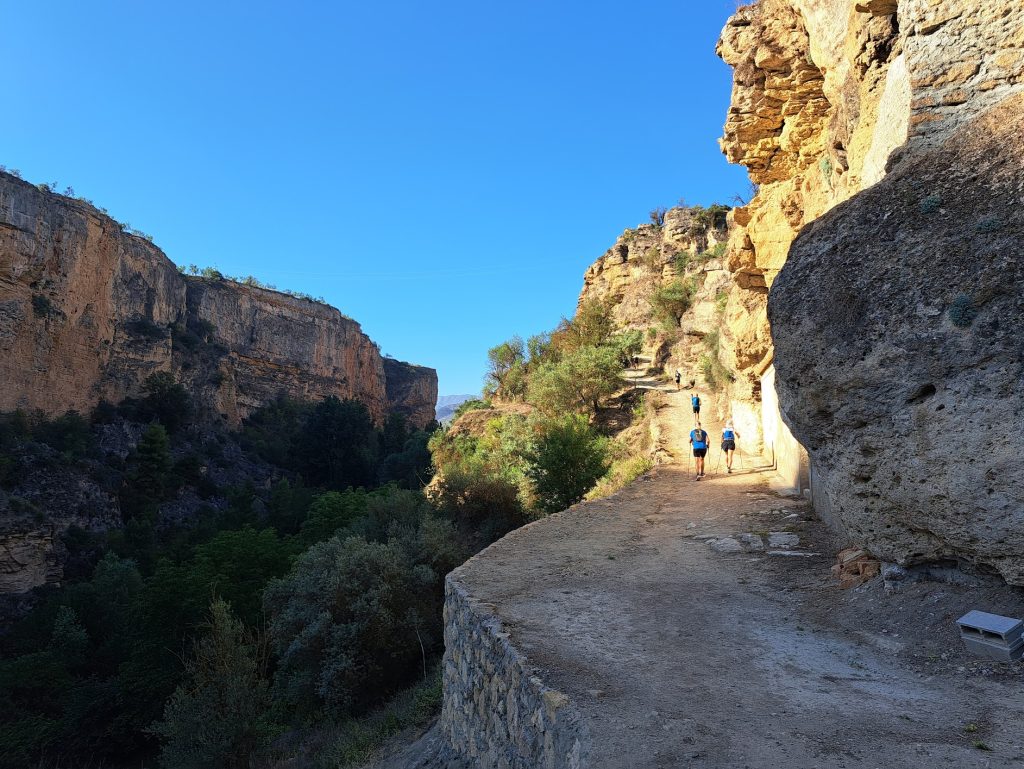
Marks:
<point>829,93</point>
<point>87,312</point>
<point>899,329</point>
<point>831,98</point>
<point>411,390</point>
<point>643,259</point>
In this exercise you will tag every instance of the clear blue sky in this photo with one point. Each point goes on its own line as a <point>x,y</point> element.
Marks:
<point>442,172</point>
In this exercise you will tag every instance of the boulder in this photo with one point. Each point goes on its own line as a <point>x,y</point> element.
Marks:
<point>898,325</point>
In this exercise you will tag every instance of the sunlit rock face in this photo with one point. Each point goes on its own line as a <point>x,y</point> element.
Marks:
<point>827,95</point>
<point>88,312</point>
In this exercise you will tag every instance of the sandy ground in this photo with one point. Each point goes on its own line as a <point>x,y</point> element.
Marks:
<point>682,655</point>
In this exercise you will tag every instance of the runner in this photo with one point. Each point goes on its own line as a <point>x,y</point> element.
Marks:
<point>729,436</point>
<point>699,441</point>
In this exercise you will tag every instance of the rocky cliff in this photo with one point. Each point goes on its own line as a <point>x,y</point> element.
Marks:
<point>827,95</point>
<point>646,258</point>
<point>88,312</point>
<point>876,103</point>
<point>899,330</point>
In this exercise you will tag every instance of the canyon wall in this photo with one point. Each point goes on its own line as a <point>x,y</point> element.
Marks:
<point>88,312</point>
<point>899,330</point>
<point>864,106</point>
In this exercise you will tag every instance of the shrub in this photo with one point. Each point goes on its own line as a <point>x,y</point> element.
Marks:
<point>651,260</point>
<point>347,624</point>
<point>962,311</point>
<point>145,328</point>
<point>989,224</point>
<point>505,367</point>
<point>219,715</point>
<point>669,303</point>
<point>480,501</point>
<point>41,305</point>
<point>471,405</point>
<point>566,462</point>
<point>681,261</point>
<point>166,401</point>
<point>354,742</point>
<point>657,216</point>
<point>930,204</point>
<point>721,300</point>
<point>577,382</point>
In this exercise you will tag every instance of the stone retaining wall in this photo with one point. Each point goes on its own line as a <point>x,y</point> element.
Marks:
<point>497,713</point>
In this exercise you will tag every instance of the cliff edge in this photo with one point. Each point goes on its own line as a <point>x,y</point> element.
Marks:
<point>88,312</point>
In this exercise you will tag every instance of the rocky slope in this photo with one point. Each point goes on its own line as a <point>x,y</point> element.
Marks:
<point>644,259</point>
<point>87,312</point>
<point>899,329</point>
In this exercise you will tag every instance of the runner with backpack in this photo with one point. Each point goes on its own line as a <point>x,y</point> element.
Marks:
<point>679,378</point>
<point>699,441</point>
<point>695,402</point>
<point>729,436</point>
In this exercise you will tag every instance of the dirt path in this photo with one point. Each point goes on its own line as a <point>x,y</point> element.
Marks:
<point>695,624</point>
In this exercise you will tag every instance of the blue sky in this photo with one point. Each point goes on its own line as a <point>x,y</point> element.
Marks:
<point>442,172</point>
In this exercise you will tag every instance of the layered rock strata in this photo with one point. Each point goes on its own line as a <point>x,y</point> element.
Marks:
<point>88,312</point>
<point>827,95</point>
<point>899,330</point>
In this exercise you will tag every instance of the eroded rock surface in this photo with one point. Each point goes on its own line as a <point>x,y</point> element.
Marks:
<point>827,95</point>
<point>88,311</point>
<point>899,331</point>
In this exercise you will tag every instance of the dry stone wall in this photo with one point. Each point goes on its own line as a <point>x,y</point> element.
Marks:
<point>497,712</point>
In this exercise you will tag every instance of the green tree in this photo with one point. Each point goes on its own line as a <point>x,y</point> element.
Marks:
<point>505,367</point>
<point>167,401</point>
<point>566,462</point>
<point>237,565</point>
<point>669,302</point>
<point>331,511</point>
<point>218,717</point>
<point>337,448</point>
<point>577,382</point>
<point>347,624</point>
<point>146,482</point>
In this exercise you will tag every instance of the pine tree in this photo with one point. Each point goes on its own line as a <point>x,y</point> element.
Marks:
<point>218,716</point>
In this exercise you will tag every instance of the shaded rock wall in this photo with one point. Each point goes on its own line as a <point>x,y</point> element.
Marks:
<point>411,390</point>
<point>87,312</point>
<point>899,329</point>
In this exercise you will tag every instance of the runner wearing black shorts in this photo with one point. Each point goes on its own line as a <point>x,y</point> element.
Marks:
<point>729,436</point>
<point>699,441</point>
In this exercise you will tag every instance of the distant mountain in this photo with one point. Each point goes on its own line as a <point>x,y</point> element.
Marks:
<point>447,404</point>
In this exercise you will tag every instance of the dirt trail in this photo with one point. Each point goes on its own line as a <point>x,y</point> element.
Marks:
<point>684,645</point>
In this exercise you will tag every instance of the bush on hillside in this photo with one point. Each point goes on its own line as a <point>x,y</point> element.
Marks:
<point>567,460</point>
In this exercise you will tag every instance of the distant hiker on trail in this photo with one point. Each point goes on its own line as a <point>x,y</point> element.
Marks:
<point>729,436</point>
<point>699,441</point>
<point>636,361</point>
<point>679,378</point>
<point>695,402</point>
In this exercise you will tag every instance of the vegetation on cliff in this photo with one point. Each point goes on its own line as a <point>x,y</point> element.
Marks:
<point>542,440</point>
